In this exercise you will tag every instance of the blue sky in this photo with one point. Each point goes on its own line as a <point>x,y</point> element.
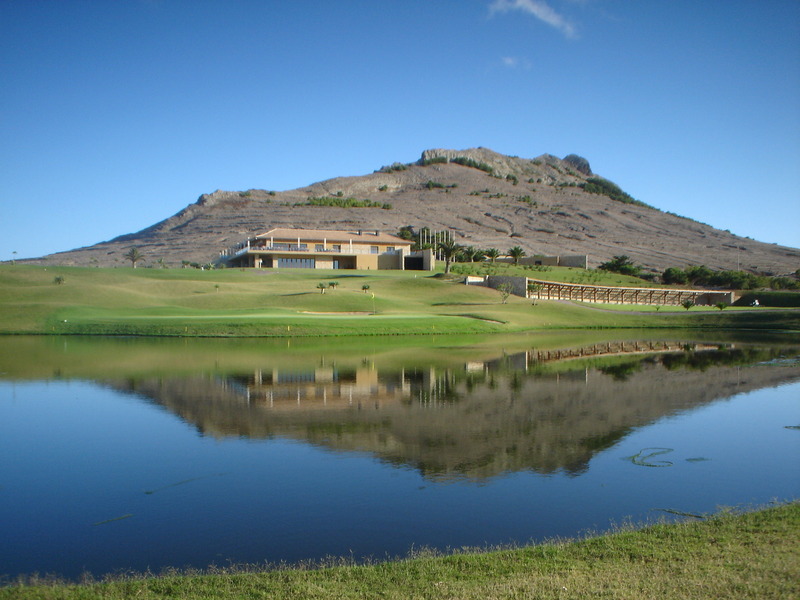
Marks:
<point>115,115</point>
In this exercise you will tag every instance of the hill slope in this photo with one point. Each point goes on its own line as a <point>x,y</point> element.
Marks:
<point>546,205</point>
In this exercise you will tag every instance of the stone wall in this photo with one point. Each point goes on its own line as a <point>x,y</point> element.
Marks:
<point>519,285</point>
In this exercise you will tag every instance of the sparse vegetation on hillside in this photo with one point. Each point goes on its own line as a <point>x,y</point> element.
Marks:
<point>604,187</point>
<point>468,162</point>
<point>435,184</point>
<point>436,160</point>
<point>346,202</point>
<point>393,167</point>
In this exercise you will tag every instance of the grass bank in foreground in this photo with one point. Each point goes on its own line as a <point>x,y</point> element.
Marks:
<point>751,555</point>
<point>259,303</point>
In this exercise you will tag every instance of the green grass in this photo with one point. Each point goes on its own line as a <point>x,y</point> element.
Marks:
<point>751,555</point>
<point>101,357</point>
<point>240,303</point>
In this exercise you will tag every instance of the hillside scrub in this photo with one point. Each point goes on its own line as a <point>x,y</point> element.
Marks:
<point>604,187</point>
<point>749,556</point>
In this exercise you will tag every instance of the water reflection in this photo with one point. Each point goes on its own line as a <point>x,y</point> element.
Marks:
<point>544,411</point>
<point>142,454</point>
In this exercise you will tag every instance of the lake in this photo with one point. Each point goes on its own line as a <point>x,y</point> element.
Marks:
<point>121,455</point>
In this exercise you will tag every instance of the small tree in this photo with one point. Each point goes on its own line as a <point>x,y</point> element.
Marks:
<point>59,280</point>
<point>516,253</point>
<point>133,255</point>
<point>321,286</point>
<point>333,284</point>
<point>721,305</point>
<point>687,304</point>
<point>365,288</point>
<point>492,254</point>
<point>505,290</point>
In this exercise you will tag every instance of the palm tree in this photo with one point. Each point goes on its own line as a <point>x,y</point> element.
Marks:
<point>516,253</point>
<point>133,255</point>
<point>322,287</point>
<point>492,254</point>
<point>448,248</point>
<point>477,255</point>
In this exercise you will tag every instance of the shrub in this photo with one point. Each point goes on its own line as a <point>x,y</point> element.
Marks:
<point>604,187</point>
<point>393,167</point>
<point>623,265</point>
<point>436,160</point>
<point>343,202</point>
<point>674,275</point>
<point>468,162</point>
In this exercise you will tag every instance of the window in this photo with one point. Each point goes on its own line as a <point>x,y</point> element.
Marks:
<point>390,249</point>
<point>373,249</point>
<point>337,247</point>
<point>318,248</point>
<point>297,263</point>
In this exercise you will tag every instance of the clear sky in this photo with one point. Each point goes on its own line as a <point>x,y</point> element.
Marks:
<point>117,114</point>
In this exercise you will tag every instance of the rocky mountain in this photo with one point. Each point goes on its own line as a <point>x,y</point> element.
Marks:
<point>546,205</point>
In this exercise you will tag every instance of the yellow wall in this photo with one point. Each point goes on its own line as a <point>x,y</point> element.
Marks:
<point>367,261</point>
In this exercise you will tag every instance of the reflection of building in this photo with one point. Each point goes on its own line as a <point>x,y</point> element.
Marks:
<point>479,420</point>
<point>323,387</point>
<point>334,387</point>
<point>329,249</point>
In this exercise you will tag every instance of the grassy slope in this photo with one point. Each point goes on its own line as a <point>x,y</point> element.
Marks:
<point>258,303</point>
<point>754,555</point>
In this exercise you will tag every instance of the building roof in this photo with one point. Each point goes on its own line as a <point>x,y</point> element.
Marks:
<point>364,236</point>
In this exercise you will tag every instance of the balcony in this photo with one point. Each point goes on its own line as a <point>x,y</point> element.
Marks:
<point>345,250</point>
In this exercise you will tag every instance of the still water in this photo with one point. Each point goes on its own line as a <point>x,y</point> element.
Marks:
<point>119,455</point>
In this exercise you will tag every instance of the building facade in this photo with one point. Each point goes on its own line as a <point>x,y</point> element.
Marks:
<point>328,249</point>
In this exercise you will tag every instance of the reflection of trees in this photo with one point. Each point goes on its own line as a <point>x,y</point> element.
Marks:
<point>476,422</point>
<point>623,371</point>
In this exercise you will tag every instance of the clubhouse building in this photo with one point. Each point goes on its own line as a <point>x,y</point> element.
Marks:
<point>328,249</point>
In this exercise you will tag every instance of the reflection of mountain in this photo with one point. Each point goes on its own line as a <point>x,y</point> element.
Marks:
<point>478,421</point>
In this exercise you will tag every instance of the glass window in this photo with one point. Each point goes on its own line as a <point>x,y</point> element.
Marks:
<point>318,248</point>
<point>373,249</point>
<point>297,263</point>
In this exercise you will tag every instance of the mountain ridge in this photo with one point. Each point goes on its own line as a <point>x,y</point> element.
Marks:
<point>545,204</point>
